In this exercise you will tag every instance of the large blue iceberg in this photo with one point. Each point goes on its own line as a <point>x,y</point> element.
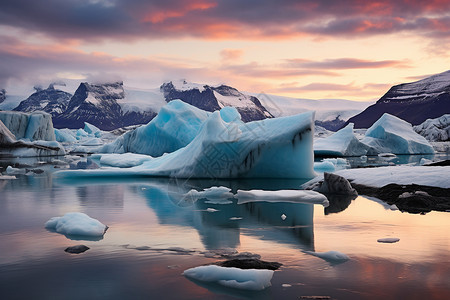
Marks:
<point>226,147</point>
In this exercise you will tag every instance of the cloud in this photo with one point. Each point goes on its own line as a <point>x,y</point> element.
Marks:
<point>231,54</point>
<point>345,63</point>
<point>98,20</point>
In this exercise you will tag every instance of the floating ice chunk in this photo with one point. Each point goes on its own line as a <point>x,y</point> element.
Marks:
<point>324,166</point>
<point>65,136</point>
<point>125,160</point>
<point>294,196</point>
<point>235,218</point>
<point>92,130</point>
<point>250,279</point>
<point>92,142</point>
<point>330,256</point>
<point>283,217</point>
<point>393,135</point>
<point>81,133</point>
<point>387,155</point>
<point>14,171</point>
<point>7,177</point>
<point>388,240</point>
<point>342,143</point>
<point>209,209</point>
<point>212,193</point>
<point>76,223</point>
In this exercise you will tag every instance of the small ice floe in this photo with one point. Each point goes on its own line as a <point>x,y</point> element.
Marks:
<point>209,209</point>
<point>286,285</point>
<point>334,257</point>
<point>77,249</point>
<point>14,171</point>
<point>250,279</point>
<point>235,218</point>
<point>293,196</point>
<point>76,223</point>
<point>214,194</point>
<point>387,154</point>
<point>7,177</point>
<point>283,217</point>
<point>388,240</point>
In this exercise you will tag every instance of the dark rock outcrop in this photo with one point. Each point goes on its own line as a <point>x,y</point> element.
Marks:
<point>249,263</point>
<point>77,249</point>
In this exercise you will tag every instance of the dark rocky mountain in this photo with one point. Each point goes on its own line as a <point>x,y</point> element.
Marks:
<point>98,105</point>
<point>50,100</point>
<point>2,95</point>
<point>414,102</point>
<point>211,98</point>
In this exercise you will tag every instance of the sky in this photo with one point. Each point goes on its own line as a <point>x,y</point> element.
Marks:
<point>315,49</point>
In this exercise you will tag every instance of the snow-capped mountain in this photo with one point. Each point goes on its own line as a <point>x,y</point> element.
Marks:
<point>2,95</point>
<point>211,98</point>
<point>98,104</point>
<point>414,102</point>
<point>330,113</point>
<point>435,130</point>
<point>50,100</point>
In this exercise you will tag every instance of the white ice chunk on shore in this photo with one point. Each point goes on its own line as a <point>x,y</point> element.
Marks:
<point>248,279</point>
<point>175,126</point>
<point>76,223</point>
<point>378,177</point>
<point>293,196</point>
<point>390,134</point>
<point>341,143</point>
<point>270,148</point>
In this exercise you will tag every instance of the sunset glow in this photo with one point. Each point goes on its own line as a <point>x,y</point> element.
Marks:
<point>307,49</point>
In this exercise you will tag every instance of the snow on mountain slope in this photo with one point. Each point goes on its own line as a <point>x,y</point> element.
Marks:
<point>50,100</point>
<point>330,113</point>
<point>2,95</point>
<point>413,102</point>
<point>213,98</point>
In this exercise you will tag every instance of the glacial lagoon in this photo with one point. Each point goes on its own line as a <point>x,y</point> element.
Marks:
<point>155,234</point>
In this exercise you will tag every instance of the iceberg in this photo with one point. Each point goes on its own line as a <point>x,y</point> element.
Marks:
<point>245,279</point>
<point>270,148</point>
<point>10,147</point>
<point>76,223</point>
<point>125,160</point>
<point>30,126</point>
<point>176,125</point>
<point>342,143</point>
<point>435,130</point>
<point>393,135</point>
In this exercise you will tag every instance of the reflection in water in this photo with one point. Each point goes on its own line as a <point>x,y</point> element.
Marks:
<point>154,213</point>
<point>338,203</point>
<point>221,228</point>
